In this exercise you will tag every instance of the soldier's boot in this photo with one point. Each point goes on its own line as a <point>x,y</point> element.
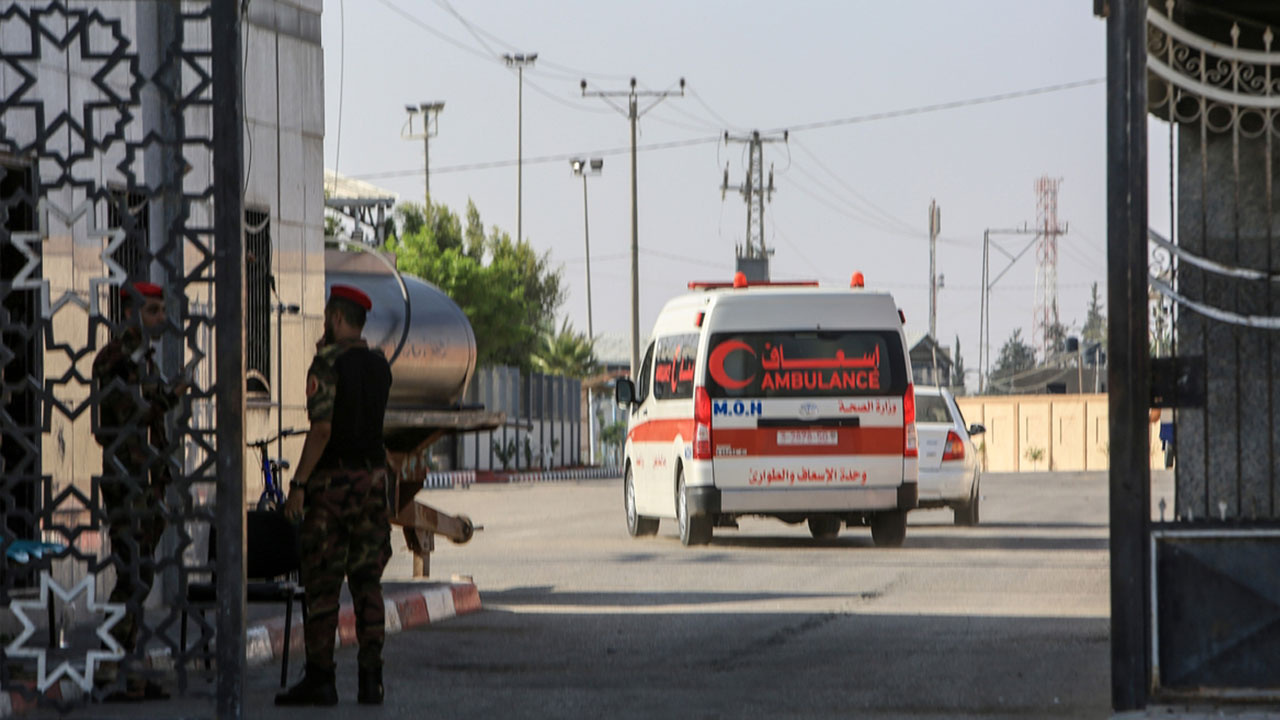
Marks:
<point>317,687</point>
<point>370,686</point>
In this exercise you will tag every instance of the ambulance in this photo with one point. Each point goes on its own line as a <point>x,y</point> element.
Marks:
<point>785,400</point>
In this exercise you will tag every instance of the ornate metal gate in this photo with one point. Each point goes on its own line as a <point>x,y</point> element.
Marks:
<point>1196,593</point>
<point>111,112</point>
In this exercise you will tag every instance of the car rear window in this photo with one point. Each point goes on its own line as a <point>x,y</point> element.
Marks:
<point>932,409</point>
<point>835,363</point>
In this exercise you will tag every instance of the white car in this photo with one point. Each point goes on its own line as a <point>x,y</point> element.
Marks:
<point>950,475</point>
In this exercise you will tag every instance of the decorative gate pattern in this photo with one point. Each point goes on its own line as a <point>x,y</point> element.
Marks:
<point>107,167</point>
<point>1215,616</point>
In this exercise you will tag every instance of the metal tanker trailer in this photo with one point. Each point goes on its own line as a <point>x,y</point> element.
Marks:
<point>426,336</point>
<point>432,350</point>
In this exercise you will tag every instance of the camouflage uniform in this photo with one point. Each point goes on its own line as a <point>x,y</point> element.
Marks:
<point>345,529</point>
<point>134,476</point>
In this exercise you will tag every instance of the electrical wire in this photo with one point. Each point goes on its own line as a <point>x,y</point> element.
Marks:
<point>698,98</point>
<point>936,107</point>
<point>477,31</point>
<point>890,217</point>
<point>561,157</point>
<point>342,75</point>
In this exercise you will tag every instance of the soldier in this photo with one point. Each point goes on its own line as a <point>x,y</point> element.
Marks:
<point>340,494</point>
<point>134,476</point>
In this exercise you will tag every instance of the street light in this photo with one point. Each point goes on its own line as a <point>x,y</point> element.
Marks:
<point>518,61</point>
<point>585,169</point>
<point>430,112</point>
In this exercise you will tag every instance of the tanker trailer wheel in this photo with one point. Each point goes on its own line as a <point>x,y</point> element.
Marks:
<point>468,530</point>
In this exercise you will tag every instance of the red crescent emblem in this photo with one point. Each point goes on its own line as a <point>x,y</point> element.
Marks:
<point>312,385</point>
<point>716,365</point>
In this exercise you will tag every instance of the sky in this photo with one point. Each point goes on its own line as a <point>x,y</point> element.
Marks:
<point>850,196</point>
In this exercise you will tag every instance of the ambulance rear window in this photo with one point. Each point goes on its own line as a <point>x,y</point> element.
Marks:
<point>806,364</point>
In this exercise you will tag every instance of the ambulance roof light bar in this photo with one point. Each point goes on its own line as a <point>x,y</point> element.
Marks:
<point>740,283</point>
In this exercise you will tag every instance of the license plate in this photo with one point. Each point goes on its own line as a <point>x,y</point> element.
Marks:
<point>808,437</point>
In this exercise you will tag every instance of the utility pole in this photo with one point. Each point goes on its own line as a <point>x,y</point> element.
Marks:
<point>587,168</point>
<point>935,227</point>
<point>984,314</point>
<point>633,114</point>
<point>518,61</point>
<point>753,256</point>
<point>430,112</point>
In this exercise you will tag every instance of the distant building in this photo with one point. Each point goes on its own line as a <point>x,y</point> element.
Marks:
<point>930,361</point>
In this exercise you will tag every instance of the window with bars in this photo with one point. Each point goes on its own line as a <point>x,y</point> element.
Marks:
<point>130,212</point>
<point>258,281</point>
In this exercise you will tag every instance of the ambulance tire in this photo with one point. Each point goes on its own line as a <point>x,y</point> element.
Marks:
<point>693,530</point>
<point>824,527</point>
<point>889,529</point>
<point>636,525</point>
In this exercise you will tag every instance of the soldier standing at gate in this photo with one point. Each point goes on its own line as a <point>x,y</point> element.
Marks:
<point>135,469</point>
<point>340,494</point>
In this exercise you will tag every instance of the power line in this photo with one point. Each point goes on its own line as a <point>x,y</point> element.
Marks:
<point>342,75</point>
<point>565,71</point>
<point>714,114</point>
<point>852,191</point>
<point>923,109</point>
<point>562,157</point>
<point>442,35</point>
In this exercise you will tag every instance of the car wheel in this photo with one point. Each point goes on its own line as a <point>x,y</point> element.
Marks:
<point>967,513</point>
<point>824,527</point>
<point>889,529</point>
<point>693,530</point>
<point>636,525</point>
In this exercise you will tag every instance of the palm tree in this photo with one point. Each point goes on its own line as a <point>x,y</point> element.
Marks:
<point>565,353</point>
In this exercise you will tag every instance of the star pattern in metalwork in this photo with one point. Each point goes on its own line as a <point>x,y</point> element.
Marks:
<point>45,679</point>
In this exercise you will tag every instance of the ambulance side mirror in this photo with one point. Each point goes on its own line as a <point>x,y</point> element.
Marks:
<point>624,392</point>
<point>976,429</point>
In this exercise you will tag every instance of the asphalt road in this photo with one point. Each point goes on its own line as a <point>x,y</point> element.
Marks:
<point>1006,620</point>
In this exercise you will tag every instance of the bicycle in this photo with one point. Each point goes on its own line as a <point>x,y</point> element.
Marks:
<point>272,497</point>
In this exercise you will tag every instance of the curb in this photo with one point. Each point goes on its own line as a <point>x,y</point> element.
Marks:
<point>569,475</point>
<point>264,641</point>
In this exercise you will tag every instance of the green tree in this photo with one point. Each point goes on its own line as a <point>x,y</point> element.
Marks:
<point>508,291</point>
<point>566,353</point>
<point>410,218</point>
<point>957,366</point>
<point>474,234</point>
<point>1015,356</point>
<point>1095,322</point>
<point>332,226</point>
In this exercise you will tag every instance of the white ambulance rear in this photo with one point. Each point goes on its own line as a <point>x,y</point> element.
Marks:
<point>793,402</point>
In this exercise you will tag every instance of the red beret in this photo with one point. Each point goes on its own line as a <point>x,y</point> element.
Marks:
<point>145,289</point>
<point>347,292</point>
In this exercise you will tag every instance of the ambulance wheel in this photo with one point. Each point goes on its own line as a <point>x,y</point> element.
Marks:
<point>693,530</point>
<point>824,527</point>
<point>636,525</point>
<point>889,529</point>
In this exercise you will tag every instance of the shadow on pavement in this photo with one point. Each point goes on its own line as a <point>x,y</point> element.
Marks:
<point>919,541</point>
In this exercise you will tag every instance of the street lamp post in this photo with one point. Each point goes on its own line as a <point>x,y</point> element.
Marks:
<point>518,61</point>
<point>430,112</point>
<point>587,168</point>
